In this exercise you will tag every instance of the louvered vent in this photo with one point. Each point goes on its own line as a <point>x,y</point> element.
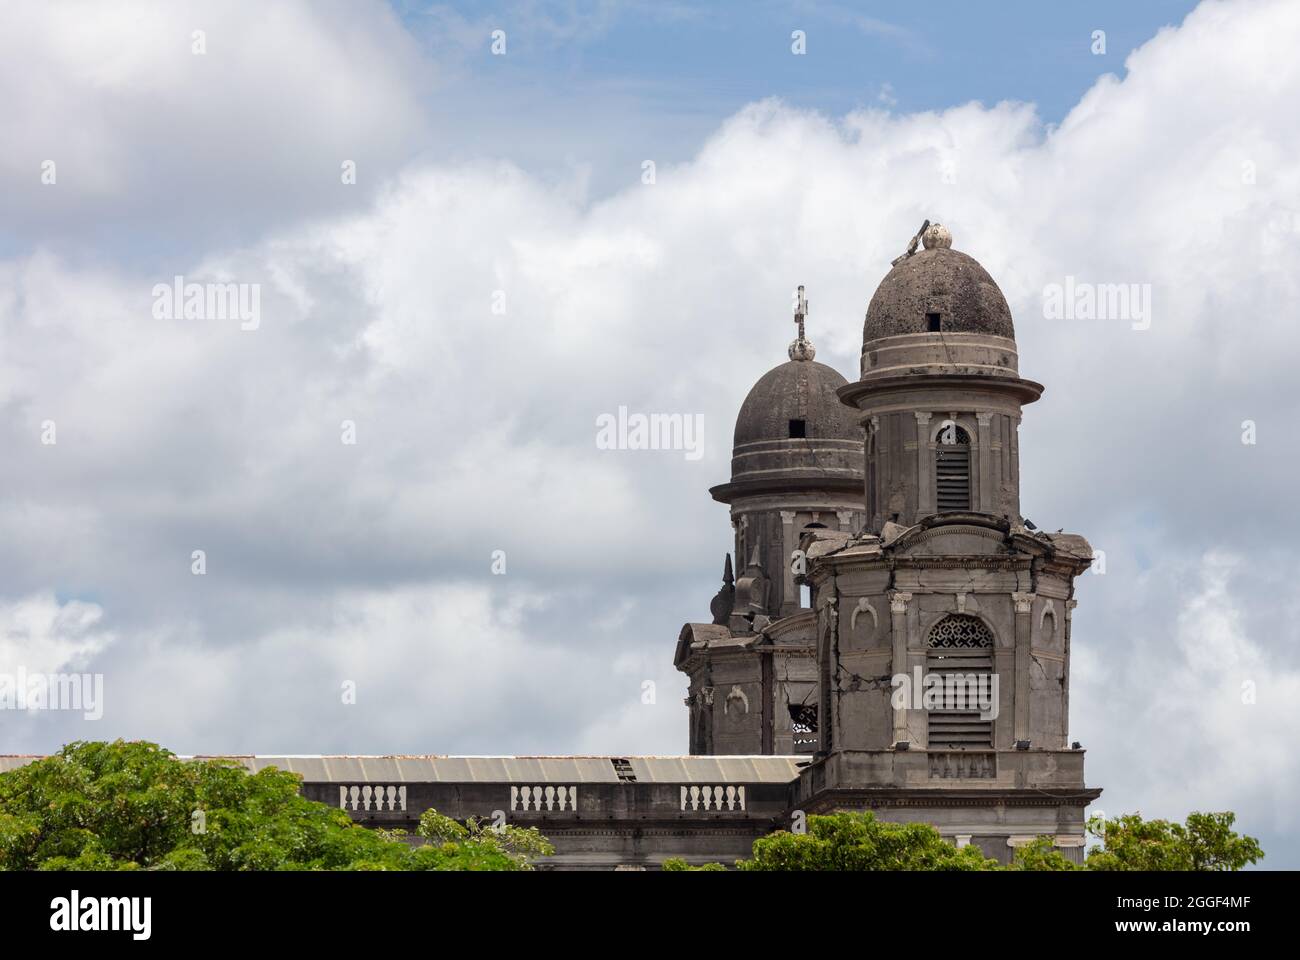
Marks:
<point>961,648</point>
<point>952,470</point>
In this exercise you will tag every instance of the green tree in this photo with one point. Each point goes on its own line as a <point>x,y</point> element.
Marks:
<point>519,845</point>
<point>135,805</point>
<point>678,865</point>
<point>1206,842</point>
<point>1041,854</point>
<point>858,841</point>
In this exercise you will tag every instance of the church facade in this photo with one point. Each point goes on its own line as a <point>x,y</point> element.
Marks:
<point>893,636</point>
<point>926,677</point>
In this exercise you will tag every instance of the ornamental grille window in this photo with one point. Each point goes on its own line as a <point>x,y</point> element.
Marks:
<point>960,630</point>
<point>803,717</point>
<point>952,469</point>
<point>961,654</point>
<point>803,726</point>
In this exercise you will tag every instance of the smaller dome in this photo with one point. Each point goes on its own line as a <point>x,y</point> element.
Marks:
<point>793,433</point>
<point>796,391</point>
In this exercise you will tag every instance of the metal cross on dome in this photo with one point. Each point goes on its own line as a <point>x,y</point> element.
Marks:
<point>801,311</point>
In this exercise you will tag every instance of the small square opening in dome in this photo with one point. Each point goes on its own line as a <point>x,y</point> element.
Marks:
<point>933,323</point>
<point>798,429</point>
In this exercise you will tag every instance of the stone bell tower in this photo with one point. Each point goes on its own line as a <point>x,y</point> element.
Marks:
<point>940,395</point>
<point>943,628</point>
<point>796,466</point>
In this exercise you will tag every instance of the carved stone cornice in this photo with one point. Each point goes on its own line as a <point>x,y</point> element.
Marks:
<point>985,562</point>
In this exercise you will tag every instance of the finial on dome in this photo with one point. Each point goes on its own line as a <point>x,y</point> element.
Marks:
<point>931,235</point>
<point>802,348</point>
<point>936,235</point>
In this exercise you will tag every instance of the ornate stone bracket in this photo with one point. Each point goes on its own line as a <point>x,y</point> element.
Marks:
<point>864,606</point>
<point>738,695</point>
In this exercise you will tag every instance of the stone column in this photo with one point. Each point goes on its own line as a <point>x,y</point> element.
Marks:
<point>790,594</point>
<point>898,612</point>
<point>985,503</point>
<point>878,446</point>
<point>1013,441</point>
<point>925,494</point>
<point>1065,672</point>
<point>1024,638</point>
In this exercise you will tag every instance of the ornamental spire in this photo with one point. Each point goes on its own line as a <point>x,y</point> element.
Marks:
<point>802,348</point>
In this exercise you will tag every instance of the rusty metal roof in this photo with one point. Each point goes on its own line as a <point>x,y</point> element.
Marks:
<point>448,769</point>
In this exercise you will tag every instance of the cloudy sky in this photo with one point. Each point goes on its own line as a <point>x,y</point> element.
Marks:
<point>500,274</point>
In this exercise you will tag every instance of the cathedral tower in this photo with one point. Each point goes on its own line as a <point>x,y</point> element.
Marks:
<point>943,628</point>
<point>940,396</point>
<point>796,466</point>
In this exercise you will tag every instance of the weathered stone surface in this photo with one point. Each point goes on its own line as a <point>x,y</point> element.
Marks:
<point>943,549</point>
<point>943,281</point>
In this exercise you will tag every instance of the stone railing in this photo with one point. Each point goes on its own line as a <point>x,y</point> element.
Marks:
<point>363,796</point>
<point>548,797</point>
<point>963,765</point>
<point>713,798</point>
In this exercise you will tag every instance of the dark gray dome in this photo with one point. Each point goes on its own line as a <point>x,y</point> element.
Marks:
<point>938,281</point>
<point>799,390</point>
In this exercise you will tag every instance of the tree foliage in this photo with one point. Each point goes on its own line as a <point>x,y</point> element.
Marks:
<point>1041,854</point>
<point>858,841</point>
<point>519,845</point>
<point>1206,842</point>
<point>678,865</point>
<point>135,805</point>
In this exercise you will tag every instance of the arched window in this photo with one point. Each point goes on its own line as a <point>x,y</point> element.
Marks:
<point>960,652</point>
<point>952,468</point>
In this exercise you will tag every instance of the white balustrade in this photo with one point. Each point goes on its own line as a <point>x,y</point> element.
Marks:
<point>713,798</point>
<point>364,796</point>
<point>544,797</point>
